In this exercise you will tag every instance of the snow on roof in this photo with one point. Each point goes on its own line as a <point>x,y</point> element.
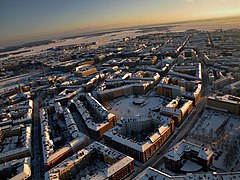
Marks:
<point>226,98</point>
<point>22,105</point>
<point>114,89</point>
<point>122,160</point>
<point>184,75</point>
<point>174,103</point>
<point>84,67</point>
<point>183,146</point>
<point>170,86</point>
<point>151,173</point>
<point>26,137</point>
<point>163,128</point>
<point>58,153</point>
<point>97,106</point>
<point>70,95</point>
<point>117,166</point>
<point>25,171</point>
<point>163,121</point>
<point>128,88</point>
<point>72,144</point>
<point>47,143</point>
<point>198,90</point>
<point>71,124</point>
<point>58,108</point>
<point>91,124</point>
<point>193,94</point>
<point>14,153</point>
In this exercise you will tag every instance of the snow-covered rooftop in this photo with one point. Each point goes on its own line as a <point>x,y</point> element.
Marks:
<point>151,173</point>
<point>120,159</point>
<point>164,124</point>
<point>90,122</point>
<point>183,146</point>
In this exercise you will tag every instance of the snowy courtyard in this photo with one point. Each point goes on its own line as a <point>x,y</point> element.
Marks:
<point>135,105</point>
<point>219,131</point>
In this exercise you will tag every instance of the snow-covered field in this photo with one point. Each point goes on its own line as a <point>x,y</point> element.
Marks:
<point>221,132</point>
<point>101,39</point>
<point>124,105</point>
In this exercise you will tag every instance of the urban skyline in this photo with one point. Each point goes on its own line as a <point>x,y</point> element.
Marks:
<point>120,90</point>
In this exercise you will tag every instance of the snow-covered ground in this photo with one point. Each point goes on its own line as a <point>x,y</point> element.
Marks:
<point>124,105</point>
<point>190,166</point>
<point>209,122</point>
<point>219,131</point>
<point>167,171</point>
<point>101,39</point>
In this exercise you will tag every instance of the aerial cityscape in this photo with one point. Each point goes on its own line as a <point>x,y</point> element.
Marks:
<point>116,90</point>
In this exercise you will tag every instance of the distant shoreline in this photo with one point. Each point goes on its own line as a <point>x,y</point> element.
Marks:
<point>206,25</point>
<point>104,31</point>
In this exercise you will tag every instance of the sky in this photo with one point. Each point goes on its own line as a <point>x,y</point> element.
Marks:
<point>29,19</point>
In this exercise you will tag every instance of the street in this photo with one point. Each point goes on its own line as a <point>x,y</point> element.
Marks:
<point>37,165</point>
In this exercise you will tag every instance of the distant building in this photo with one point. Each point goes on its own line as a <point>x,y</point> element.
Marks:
<point>233,89</point>
<point>85,71</point>
<point>65,96</point>
<point>17,98</point>
<point>148,60</point>
<point>220,83</point>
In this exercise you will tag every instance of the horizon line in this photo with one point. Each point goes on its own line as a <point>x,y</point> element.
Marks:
<point>123,28</point>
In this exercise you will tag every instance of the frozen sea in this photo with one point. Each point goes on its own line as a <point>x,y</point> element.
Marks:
<point>206,25</point>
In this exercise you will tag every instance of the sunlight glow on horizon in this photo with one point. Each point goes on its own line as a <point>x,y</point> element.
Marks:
<point>28,19</point>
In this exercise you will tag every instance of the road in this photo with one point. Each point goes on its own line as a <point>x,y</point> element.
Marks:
<point>80,124</point>
<point>179,133</point>
<point>37,160</point>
